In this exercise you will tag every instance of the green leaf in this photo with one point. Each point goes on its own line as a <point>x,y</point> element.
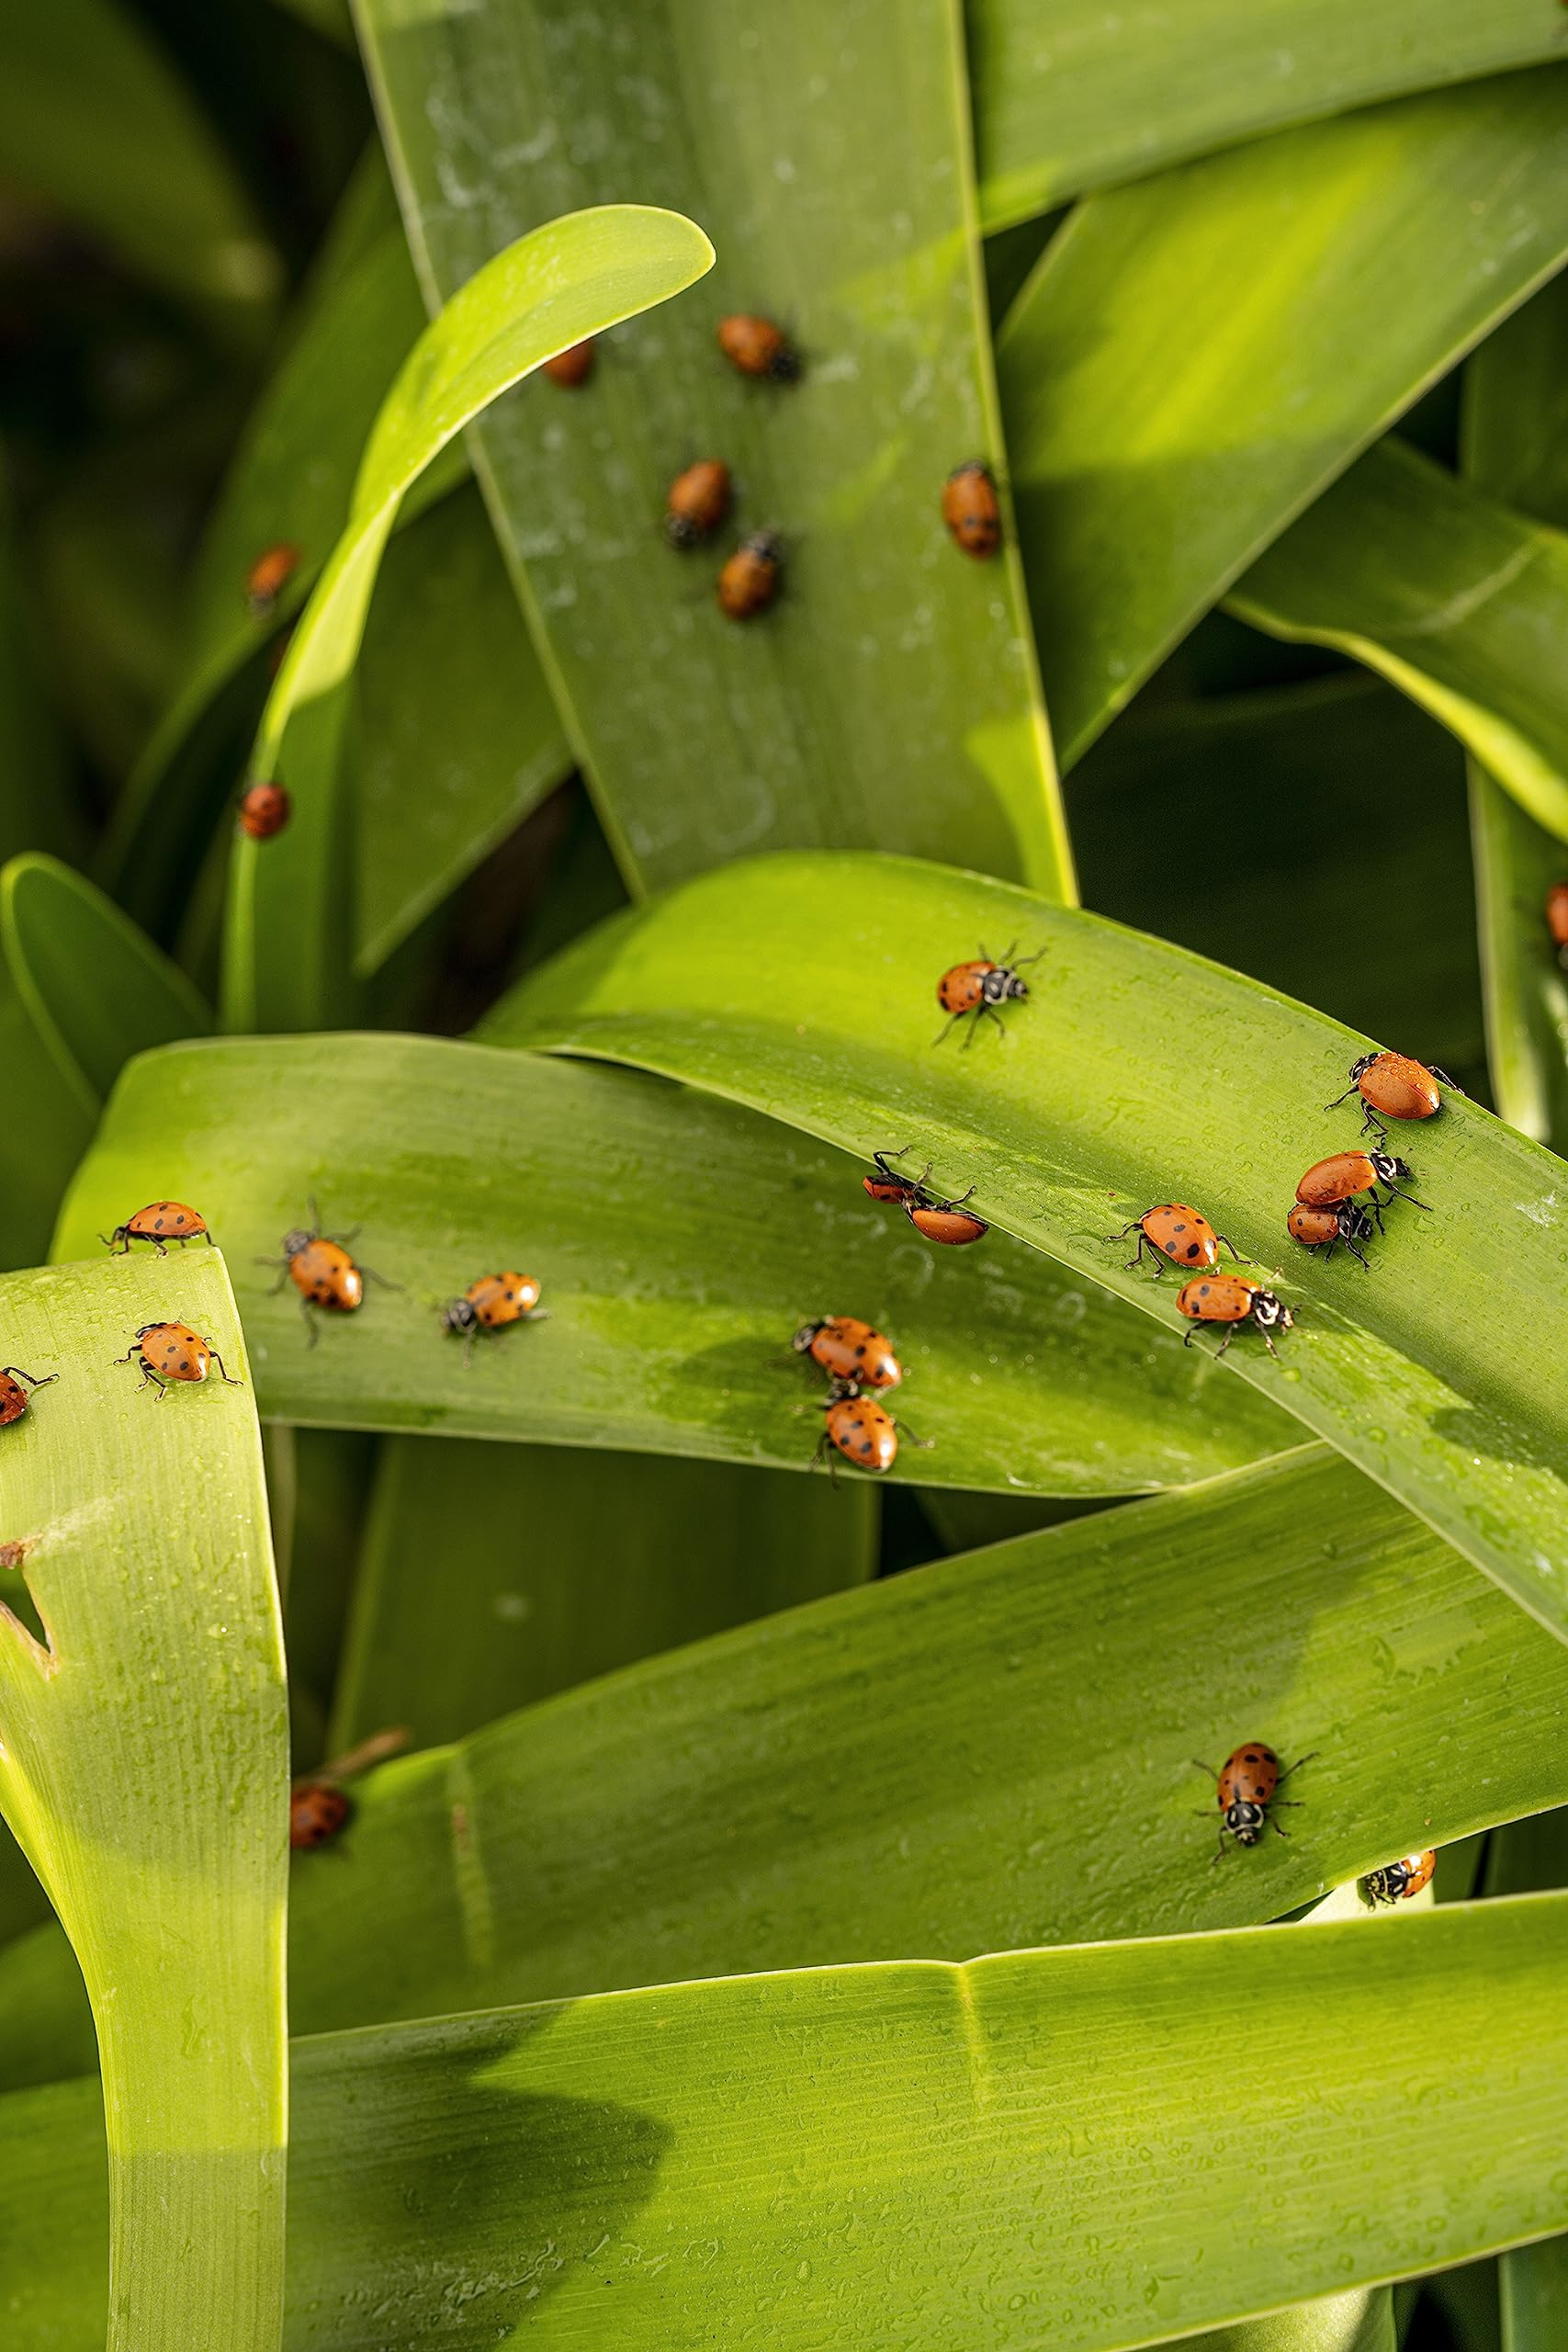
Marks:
<point>457,738</point>
<point>1196,357</point>
<point>143,1771</point>
<point>1134,1074</point>
<point>37,802</point>
<point>94,123</point>
<point>1060,2147</point>
<point>572,279</point>
<point>1533,2284</point>
<point>890,697</point>
<point>1461,603</point>
<point>558,1565</point>
<point>680,1243</point>
<point>1090,95</point>
<point>1513,447</point>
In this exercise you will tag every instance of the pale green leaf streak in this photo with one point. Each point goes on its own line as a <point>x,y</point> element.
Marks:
<point>1133,1074</point>
<point>680,1243</point>
<point>142,1764</point>
<point>1082,2148</point>
<point>1462,604</point>
<point>287,939</point>
<point>1083,95</point>
<point>890,697</point>
<point>1196,357</point>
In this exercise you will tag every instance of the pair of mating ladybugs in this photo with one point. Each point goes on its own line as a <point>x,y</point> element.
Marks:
<point>1247,1791</point>
<point>857,1358</point>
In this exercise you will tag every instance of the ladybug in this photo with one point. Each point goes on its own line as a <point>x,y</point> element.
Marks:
<point>159,1222</point>
<point>1325,1228</point>
<point>263,811</point>
<point>1398,1882</point>
<point>489,1304</point>
<point>1557,920</point>
<point>697,502</point>
<point>944,1221</point>
<point>980,986</point>
<point>757,348</point>
<point>971,510</point>
<point>12,1396</point>
<point>174,1352</point>
<point>1246,1787</point>
<point>269,576</point>
<point>863,1431</point>
<point>1329,1181</point>
<point>1232,1299</point>
<point>1177,1232</point>
<point>849,1350</point>
<point>323,1271</point>
<point>316,1813</point>
<point>571,366</point>
<point>1393,1086</point>
<point>750,580</point>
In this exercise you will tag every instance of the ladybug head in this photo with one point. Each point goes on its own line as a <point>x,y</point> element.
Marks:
<point>1387,1168</point>
<point>840,1391</point>
<point>680,531</point>
<point>802,1341</point>
<point>296,1241</point>
<point>462,1314</point>
<point>1358,1070</point>
<point>1000,983</point>
<point>1245,1821</point>
<point>767,544</point>
<point>1270,1313</point>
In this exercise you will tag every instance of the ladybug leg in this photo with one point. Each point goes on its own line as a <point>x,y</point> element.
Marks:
<point>1210,1769</point>
<point>1342,1098</point>
<point>1230,1335</point>
<point>315,1217</point>
<point>1267,1343</point>
<point>222,1370</point>
<point>1310,1757</point>
<point>923,1443</point>
<point>1278,1827</point>
<point>1445,1079</point>
<point>1394,1194</point>
<point>160,1386</point>
<point>127,1356</point>
<point>385,1280</point>
<point>282,1278</point>
<point>1219,1853</point>
<point>1230,1245</point>
<point>30,1377</point>
<point>1354,1251</point>
<point>946,1026</point>
<point>1024,961</point>
<point>311,1334</point>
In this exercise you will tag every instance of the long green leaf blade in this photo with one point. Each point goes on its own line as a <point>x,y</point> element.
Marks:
<point>1134,1074</point>
<point>1163,431</point>
<point>890,697</point>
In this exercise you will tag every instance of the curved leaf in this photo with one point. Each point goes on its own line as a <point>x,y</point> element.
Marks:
<point>891,696</point>
<point>1459,602</point>
<point>1197,357</point>
<point>680,1243</point>
<point>284,960</point>
<point>1134,1074</point>
<point>1090,95</point>
<point>1060,2147</point>
<point>143,1771</point>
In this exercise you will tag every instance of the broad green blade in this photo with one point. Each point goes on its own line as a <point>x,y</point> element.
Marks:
<point>890,697</point>
<point>95,124</point>
<point>1133,1074</point>
<point>286,946</point>
<point>1266,783</point>
<point>1534,2295</point>
<point>143,1771</point>
<point>1461,603</point>
<point>1060,2148</point>
<point>680,1243</point>
<point>457,738</point>
<point>557,1564</point>
<point>1197,357</point>
<point>1514,444</point>
<point>330,1481</point>
<point>1088,96</point>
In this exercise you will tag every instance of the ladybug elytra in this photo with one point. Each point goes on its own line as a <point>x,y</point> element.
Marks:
<point>14,1398</point>
<point>980,986</point>
<point>1392,1086</point>
<point>697,502</point>
<point>1174,1231</point>
<point>1338,1177</point>
<point>571,366</point>
<point>757,348</point>
<point>263,811</point>
<point>269,576</point>
<point>323,1271</point>
<point>971,509</point>
<point>945,1221</point>
<point>849,1350</point>
<point>491,1302</point>
<point>1325,1228</point>
<point>749,581</point>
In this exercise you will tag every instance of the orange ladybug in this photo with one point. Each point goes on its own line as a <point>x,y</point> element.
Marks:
<point>316,1813</point>
<point>489,1304</point>
<point>971,509</point>
<point>1325,1228</point>
<point>1557,920</point>
<point>945,1221</point>
<point>1174,1231</point>
<point>697,502</point>
<point>174,1352</point>
<point>14,1399</point>
<point>1398,1882</point>
<point>757,348</point>
<point>863,1431</point>
<point>979,986</point>
<point>1232,1299</point>
<point>1246,1788</point>
<point>750,580</point>
<point>159,1222</point>
<point>323,1271</point>
<point>264,809</point>
<point>571,366</point>
<point>1392,1086</point>
<point>269,576</point>
<point>1329,1181</point>
<point>850,1349</point>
